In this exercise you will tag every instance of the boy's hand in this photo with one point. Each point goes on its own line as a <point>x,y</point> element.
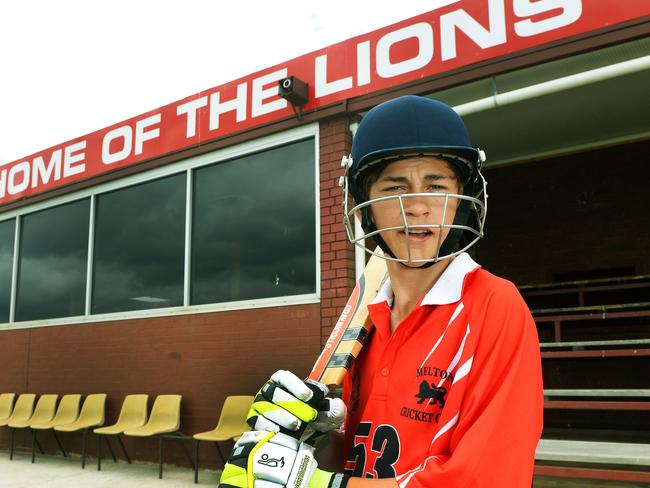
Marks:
<point>268,460</point>
<point>289,405</point>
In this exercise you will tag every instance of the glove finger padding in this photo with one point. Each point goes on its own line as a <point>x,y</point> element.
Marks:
<point>331,415</point>
<point>284,403</point>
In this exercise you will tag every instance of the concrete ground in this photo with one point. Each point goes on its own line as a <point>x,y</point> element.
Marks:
<point>51,471</point>
<point>59,472</point>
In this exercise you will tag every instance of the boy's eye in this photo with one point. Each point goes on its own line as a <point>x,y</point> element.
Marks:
<point>394,188</point>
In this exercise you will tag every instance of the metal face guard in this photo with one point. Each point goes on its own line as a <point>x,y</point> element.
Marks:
<point>477,209</point>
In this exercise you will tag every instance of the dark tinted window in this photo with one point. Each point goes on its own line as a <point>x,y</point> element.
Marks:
<point>139,247</point>
<point>53,262</point>
<point>7,231</point>
<point>254,231</point>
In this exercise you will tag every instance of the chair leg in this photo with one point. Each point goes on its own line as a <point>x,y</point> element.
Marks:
<point>126,454</point>
<point>83,449</point>
<point>184,447</point>
<point>99,452</point>
<point>38,444</point>
<point>223,460</point>
<point>33,446</point>
<point>110,449</point>
<point>11,452</point>
<point>160,453</point>
<point>196,460</point>
<point>59,443</point>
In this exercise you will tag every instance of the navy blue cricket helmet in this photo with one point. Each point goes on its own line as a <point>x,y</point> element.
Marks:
<point>412,126</point>
<point>418,126</point>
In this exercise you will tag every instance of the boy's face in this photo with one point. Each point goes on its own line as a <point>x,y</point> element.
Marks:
<point>421,174</point>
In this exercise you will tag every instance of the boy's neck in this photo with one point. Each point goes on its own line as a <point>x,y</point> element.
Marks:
<point>409,286</point>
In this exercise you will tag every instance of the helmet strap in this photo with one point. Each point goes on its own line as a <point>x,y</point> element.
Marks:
<point>369,226</point>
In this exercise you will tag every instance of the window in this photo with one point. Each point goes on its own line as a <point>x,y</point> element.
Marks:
<point>254,226</point>
<point>53,262</point>
<point>253,220</point>
<point>139,247</point>
<point>7,232</point>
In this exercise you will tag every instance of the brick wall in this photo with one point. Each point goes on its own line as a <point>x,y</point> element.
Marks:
<point>581,213</point>
<point>203,357</point>
<point>337,254</point>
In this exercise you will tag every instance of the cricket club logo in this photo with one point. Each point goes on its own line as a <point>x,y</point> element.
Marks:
<point>428,395</point>
<point>271,462</point>
<point>435,395</point>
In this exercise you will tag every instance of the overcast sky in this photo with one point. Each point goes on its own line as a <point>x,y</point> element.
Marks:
<point>70,67</point>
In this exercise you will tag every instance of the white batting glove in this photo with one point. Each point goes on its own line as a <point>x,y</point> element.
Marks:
<point>292,406</point>
<point>268,460</point>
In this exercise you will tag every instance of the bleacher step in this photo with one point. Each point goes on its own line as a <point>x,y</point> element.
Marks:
<point>590,452</point>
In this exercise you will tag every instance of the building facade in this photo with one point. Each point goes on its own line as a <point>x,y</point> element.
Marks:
<point>197,248</point>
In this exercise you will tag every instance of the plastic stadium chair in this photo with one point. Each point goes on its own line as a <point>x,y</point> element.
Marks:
<point>6,406</point>
<point>44,412</point>
<point>132,415</point>
<point>22,410</point>
<point>232,424</point>
<point>92,415</point>
<point>66,413</point>
<point>164,421</point>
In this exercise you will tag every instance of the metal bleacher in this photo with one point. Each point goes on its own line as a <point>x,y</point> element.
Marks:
<point>595,348</point>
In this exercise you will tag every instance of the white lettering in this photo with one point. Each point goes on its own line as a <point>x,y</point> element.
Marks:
<point>422,32</point>
<point>324,87</point>
<point>70,158</point>
<point>258,107</point>
<point>142,135</point>
<point>363,63</point>
<point>571,11</point>
<point>190,109</point>
<point>217,107</point>
<point>13,187</point>
<point>126,134</point>
<point>3,183</point>
<point>484,38</point>
<point>44,173</point>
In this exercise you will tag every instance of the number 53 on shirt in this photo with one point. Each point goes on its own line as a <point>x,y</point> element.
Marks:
<point>374,457</point>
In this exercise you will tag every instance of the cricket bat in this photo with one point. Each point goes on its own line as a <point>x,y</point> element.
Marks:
<point>352,327</point>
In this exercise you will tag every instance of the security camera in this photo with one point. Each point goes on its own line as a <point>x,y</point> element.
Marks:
<point>293,90</point>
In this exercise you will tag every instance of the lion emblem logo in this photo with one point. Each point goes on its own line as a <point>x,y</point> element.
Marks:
<point>431,393</point>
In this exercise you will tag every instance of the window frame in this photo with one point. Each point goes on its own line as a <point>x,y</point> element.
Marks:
<point>187,166</point>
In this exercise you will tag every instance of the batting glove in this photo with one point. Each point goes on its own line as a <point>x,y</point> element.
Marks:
<point>263,459</point>
<point>298,408</point>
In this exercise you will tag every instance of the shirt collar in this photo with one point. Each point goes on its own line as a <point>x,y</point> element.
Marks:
<point>447,289</point>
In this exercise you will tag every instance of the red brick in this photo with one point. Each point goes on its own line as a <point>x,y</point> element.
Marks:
<point>327,256</point>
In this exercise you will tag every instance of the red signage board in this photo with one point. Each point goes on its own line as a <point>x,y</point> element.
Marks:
<point>459,34</point>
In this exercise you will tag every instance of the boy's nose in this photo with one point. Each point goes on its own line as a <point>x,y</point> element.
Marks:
<point>417,206</point>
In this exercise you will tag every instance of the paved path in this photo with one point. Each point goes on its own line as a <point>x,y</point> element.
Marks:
<point>59,472</point>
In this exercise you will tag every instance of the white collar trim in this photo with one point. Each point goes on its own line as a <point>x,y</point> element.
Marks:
<point>446,290</point>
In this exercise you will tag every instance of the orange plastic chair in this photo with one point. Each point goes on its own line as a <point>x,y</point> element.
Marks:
<point>92,415</point>
<point>133,414</point>
<point>232,424</point>
<point>164,421</point>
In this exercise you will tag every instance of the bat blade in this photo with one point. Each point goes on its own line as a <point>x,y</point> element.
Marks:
<point>352,327</point>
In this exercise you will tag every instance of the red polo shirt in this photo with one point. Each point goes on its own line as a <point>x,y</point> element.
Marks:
<point>453,397</point>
